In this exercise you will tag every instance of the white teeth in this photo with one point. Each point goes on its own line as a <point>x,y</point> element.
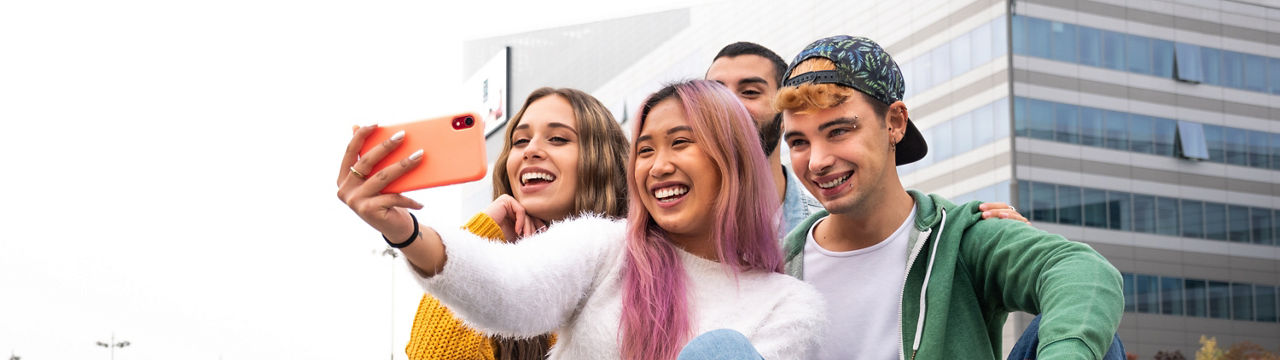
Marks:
<point>670,191</point>
<point>833,183</point>
<point>536,175</point>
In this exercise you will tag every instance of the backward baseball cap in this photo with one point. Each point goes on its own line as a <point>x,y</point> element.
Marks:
<point>863,65</point>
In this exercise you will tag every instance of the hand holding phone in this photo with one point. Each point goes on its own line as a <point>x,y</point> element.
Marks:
<point>453,147</point>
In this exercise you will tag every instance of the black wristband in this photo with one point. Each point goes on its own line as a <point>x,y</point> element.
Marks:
<point>411,237</point>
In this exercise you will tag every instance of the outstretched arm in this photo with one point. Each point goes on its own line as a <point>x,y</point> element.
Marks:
<point>1075,290</point>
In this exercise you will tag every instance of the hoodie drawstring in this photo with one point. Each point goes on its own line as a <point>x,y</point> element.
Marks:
<point>915,346</point>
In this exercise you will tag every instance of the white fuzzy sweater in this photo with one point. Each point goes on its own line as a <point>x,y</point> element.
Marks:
<point>568,280</point>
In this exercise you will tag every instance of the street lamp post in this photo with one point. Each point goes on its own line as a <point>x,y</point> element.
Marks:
<point>113,345</point>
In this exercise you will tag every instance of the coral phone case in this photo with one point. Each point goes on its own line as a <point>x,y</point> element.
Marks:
<point>453,151</point>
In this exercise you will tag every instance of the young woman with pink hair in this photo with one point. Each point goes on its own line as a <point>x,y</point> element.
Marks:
<point>696,253</point>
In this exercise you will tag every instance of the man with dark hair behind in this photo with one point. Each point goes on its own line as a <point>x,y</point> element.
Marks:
<point>754,73</point>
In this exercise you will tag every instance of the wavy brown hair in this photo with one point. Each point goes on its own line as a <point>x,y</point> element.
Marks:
<point>602,183</point>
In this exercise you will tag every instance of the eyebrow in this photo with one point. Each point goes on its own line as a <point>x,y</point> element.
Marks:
<point>552,125</point>
<point>669,132</point>
<point>824,126</point>
<point>753,80</point>
<point>838,122</point>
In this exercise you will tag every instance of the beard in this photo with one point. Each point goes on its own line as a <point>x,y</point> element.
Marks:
<point>770,134</point>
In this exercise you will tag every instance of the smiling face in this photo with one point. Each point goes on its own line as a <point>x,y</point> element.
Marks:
<point>543,164</point>
<point>841,154</point>
<point>678,181</point>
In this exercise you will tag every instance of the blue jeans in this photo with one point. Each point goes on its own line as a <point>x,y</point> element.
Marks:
<point>1025,348</point>
<point>722,344</point>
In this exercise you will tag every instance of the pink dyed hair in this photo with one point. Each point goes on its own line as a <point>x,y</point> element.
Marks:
<point>655,312</point>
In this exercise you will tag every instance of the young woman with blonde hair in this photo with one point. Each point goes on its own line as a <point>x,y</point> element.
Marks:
<point>577,153</point>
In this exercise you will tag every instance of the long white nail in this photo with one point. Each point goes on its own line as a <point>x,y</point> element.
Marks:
<point>398,135</point>
<point>416,155</point>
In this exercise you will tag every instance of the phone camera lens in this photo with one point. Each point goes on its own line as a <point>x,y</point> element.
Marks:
<point>470,121</point>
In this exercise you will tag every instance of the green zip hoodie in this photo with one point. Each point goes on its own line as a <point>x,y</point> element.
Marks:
<point>979,271</point>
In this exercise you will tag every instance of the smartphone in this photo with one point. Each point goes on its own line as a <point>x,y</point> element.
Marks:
<point>453,151</point>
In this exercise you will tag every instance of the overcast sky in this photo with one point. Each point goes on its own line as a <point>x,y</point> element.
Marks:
<point>169,168</point>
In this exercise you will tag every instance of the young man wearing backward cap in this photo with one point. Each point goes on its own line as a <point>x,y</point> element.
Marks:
<point>951,279</point>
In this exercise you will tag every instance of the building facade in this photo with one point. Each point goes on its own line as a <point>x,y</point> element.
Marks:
<point>1149,129</point>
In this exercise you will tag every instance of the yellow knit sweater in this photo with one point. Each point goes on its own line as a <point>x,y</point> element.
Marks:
<point>437,334</point>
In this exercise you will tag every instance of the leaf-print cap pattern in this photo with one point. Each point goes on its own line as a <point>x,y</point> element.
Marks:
<point>863,65</point>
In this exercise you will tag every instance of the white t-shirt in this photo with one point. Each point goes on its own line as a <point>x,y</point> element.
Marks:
<point>863,289</point>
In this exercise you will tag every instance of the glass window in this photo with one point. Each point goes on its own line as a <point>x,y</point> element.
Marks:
<point>999,36</point>
<point>1020,120</point>
<point>1215,221</point>
<point>980,41</point>
<point>1113,50</point>
<point>1275,151</point>
<point>1147,296</point>
<point>1213,142</point>
<point>1089,46</point>
<point>1273,76</point>
<point>1116,127</point>
<point>1141,134</point>
<point>1255,73</point>
<point>1232,69</point>
<point>962,131</point>
<point>1095,208</point>
<point>1241,301</point>
<point>1138,51</point>
<point>1187,61</point>
<point>1069,205</point>
<point>1265,303</point>
<point>1144,213</point>
<point>1000,116</point>
<point>984,125</point>
<point>1040,119</point>
<point>1261,225</point>
<point>1130,286</point>
<point>1066,123</point>
<point>1119,211</point>
<point>1238,223</point>
<point>1236,141</point>
<point>1197,298</point>
<point>1166,134</point>
<point>1064,41</point>
<point>1192,219</point>
<point>961,55</point>
<point>1259,154</point>
<point>941,64</point>
<point>1038,37</point>
<point>1020,36</point>
<point>1090,126</point>
<point>1191,143</point>
<point>1167,216</point>
<point>1024,196</point>
<point>1171,296</point>
<point>942,141</point>
<point>1219,300</point>
<point>1275,227</point>
<point>1162,58</point>
<point>924,73</point>
<point>1044,202</point>
<point>1211,65</point>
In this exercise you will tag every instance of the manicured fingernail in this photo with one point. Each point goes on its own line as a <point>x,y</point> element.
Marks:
<point>986,213</point>
<point>399,135</point>
<point>416,155</point>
